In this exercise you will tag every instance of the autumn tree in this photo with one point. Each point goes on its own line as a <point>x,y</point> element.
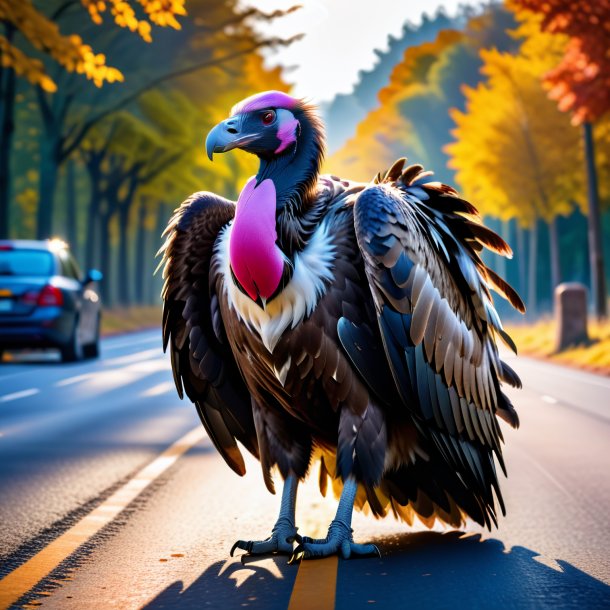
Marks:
<point>214,35</point>
<point>123,154</point>
<point>516,155</point>
<point>413,114</point>
<point>144,161</point>
<point>386,133</point>
<point>580,83</point>
<point>30,35</point>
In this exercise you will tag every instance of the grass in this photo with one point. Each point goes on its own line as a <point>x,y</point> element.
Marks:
<point>538,340</point>
<point>117,320</point>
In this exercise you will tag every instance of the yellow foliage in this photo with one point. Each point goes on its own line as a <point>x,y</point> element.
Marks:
<point>539,340</point>
<point>27,202</point>
<point>70,51</point>
<point>384,134</point>
<point>119,320</point>
<point>515,153</point>
<point>32,69</point>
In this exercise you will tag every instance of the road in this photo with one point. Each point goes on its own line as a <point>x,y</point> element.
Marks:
<point>111,496</point>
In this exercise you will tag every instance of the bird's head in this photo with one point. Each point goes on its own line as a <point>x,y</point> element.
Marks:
<point>270,125</point>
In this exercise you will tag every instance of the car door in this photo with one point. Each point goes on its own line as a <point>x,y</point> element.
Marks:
<point>90,305</point>
<point>72,288</point>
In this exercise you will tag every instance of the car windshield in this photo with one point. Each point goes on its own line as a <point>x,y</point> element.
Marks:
<point>26,262</point>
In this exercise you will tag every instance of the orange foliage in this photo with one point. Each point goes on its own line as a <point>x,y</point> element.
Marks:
<point>70,51</point>
<point>581,81</point>
<point>384,133</point>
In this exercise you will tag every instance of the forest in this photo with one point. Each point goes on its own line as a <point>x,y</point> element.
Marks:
<point>106,104</point>
<point>491,108</point>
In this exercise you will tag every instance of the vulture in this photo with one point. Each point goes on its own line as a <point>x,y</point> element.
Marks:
<point>323,321</point>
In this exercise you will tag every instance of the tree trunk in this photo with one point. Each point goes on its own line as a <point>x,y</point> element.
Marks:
<point>521,258</point>
<point>92,232</point>
<point>71,208</point>
<point>596,253</point>
<point>532,270</point>
<point>49,167</point>
<point>124,268</point>
<point>8,86</point>
<point>141,270</point>
<point>124,206</point>
<point>554,256</point>
<point>104,243</point>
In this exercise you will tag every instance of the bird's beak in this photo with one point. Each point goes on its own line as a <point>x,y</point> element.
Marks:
<point>226,136</point>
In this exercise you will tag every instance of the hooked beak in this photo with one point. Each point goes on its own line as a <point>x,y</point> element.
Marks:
<point>226,136</point>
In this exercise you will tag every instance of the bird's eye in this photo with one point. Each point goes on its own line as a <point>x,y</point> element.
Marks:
<point>268,117</point>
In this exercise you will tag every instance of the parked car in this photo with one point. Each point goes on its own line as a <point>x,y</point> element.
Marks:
<point>45,300</point>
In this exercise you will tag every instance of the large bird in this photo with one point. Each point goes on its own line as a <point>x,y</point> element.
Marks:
<point>324,320</point>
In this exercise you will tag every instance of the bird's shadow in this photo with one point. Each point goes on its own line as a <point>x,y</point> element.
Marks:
<point>264,583</point>
<point>417,570</point>
<point>456,570</point>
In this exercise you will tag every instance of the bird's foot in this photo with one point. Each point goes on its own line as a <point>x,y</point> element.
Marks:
<point>338,541</point>
<point>283,534</point>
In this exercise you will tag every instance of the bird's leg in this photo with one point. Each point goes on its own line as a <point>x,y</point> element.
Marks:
<point>339,538</point>
<point>284,531</point>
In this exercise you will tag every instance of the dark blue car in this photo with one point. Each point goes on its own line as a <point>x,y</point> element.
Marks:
<point>45,300</point>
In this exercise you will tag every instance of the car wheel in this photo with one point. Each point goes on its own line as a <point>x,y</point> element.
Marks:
<point>92,350</point>
<point>73,350</point>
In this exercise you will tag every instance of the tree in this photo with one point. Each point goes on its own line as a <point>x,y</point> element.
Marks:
<point>386,133</point>
<point>413,116</point>
<point>515,154</point>
<point>580,83</point>
<point>142,159</point>
<point>215,35</point>
<point>40,33</point>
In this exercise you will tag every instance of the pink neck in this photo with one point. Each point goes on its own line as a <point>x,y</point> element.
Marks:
<point>256,260</point>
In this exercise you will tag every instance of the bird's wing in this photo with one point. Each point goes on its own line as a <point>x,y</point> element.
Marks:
<point>202,362</point>
<point>420,245</point>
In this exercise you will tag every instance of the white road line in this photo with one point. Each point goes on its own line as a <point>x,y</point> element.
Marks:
<point>157,390</point>
<point>18,395</point>
<point>144,355</point>
<point>130,343</point>
<point>72,380</point>
<point>549,399</point>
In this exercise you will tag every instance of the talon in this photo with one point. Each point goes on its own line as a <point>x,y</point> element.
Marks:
<point>296,556</point>
<point>236,546</point>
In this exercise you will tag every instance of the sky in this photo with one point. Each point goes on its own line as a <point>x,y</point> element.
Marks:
<point>341,36</point>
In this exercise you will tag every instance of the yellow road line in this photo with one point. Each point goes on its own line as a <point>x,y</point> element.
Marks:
<point>315,585</point>
<point>25,577</point>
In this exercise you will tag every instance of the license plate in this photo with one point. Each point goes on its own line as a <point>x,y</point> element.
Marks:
<point>6,305</point>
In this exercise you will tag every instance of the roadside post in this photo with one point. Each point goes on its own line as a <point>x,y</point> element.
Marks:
<point>571,315</point>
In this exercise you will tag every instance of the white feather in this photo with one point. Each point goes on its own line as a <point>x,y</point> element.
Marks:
<point>312,272</point>
<point>282,372</point>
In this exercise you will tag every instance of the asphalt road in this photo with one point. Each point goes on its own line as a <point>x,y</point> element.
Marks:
<point>111,497</point>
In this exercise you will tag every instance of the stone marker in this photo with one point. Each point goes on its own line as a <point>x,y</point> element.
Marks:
<point>571,314</point>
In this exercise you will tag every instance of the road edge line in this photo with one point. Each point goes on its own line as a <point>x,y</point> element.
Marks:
<point>24,578</point>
